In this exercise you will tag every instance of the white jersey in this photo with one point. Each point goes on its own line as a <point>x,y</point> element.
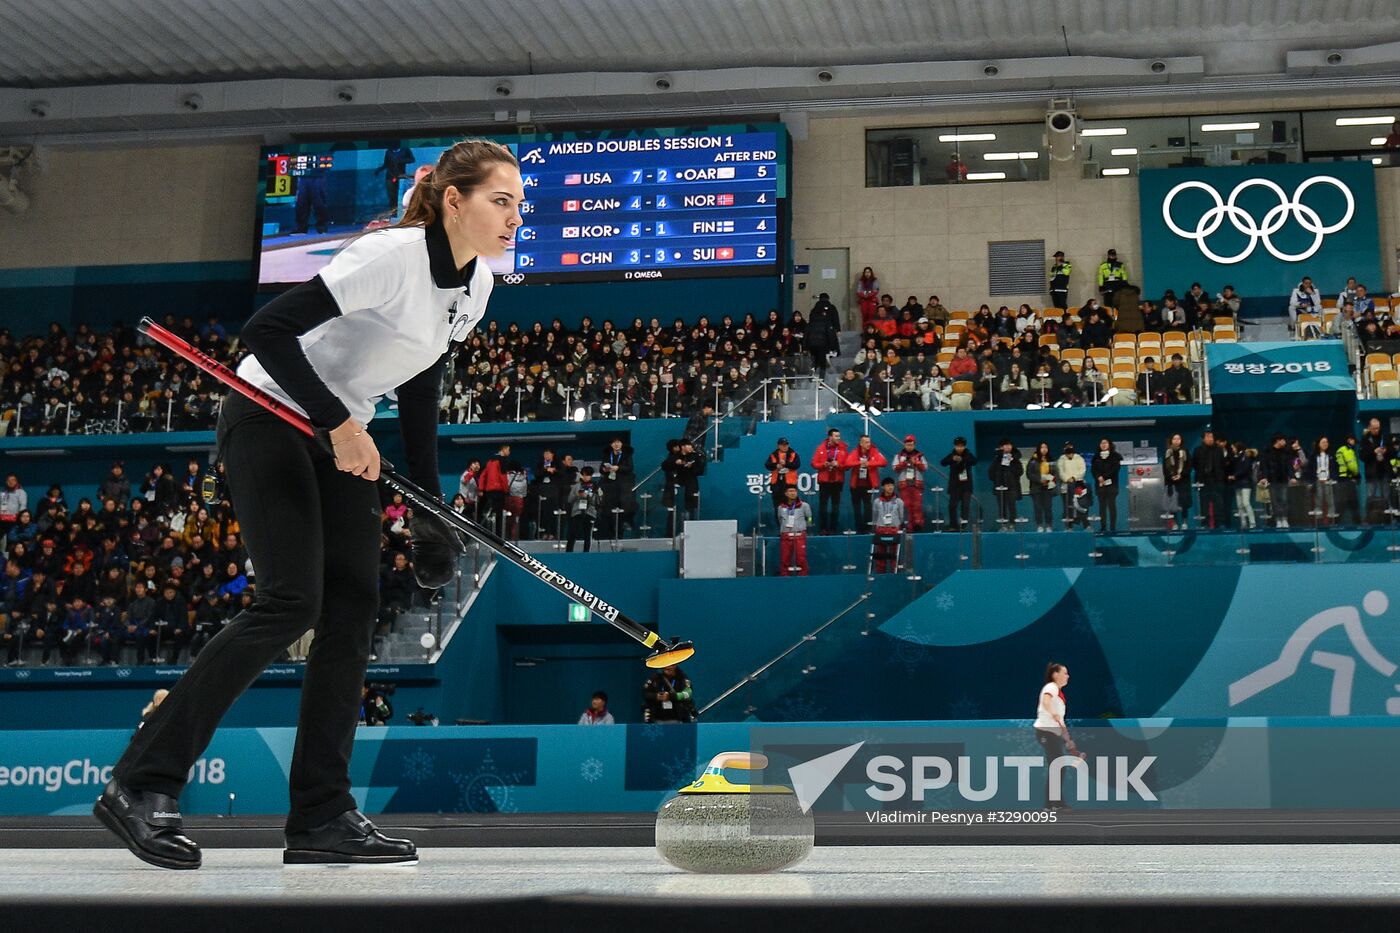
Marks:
<point>396,319</point>
<point>1043,717</point>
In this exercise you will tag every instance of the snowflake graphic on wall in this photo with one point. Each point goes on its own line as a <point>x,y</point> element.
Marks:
<point>418,766</point>
<point>909,650</point>
<point>652,731</point>
<point>964,707</point>
<point>485,790</point>
<point>591,769</point>
<point>944,601</point>
<point>1088,621</point>
<point>680,770</point>
<point>1028,597</point>
<point>798,708</point>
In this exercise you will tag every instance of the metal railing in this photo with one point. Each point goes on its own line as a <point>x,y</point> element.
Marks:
<point>805,639</point>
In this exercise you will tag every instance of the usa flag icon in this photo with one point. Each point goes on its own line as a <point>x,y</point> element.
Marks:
<point>573,179</point>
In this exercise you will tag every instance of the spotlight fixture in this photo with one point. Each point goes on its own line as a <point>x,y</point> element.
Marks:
<point>1334,58</point>
<point>663,82</point>
<point>824,77</point>
<point>345,94</point>
<point>991,71</point>
<point>504,88</point>
<point>1158,67</point>
<point>192,102</point>
<point>39,108</point>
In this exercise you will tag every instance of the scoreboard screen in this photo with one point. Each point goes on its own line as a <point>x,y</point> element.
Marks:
<point>604,205</point>
<point>649,207</point>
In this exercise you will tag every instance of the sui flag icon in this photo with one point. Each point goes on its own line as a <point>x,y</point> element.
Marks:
<point>724,252</point>
<point>573,178</point>
<point>571,205</point>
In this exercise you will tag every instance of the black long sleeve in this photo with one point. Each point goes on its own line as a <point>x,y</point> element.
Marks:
<point>272,335</point>
<point>419,399</point>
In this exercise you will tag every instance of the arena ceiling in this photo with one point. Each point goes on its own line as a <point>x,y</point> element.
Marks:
<point>107,65</point>
<point>67,42</point>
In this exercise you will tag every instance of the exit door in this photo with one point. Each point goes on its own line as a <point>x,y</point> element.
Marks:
<point>830,273</point>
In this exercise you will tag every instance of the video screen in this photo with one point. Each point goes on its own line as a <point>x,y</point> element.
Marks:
<point>600,206</point>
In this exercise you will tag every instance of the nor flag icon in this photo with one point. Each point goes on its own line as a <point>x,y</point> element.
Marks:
<point>724,200</point>
<point>811,778</point>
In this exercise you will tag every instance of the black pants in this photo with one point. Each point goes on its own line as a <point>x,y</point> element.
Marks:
<point>1213,513</point>
<point>1052,744</point>
<point>496,505</point>
<point>1059,299</point>
<point>311,193</point>
<point>1108,511</point>
<point>829,507</point>
<point>1041,497</point>
<point>860,504</point>
<point>1346,502</point>
<point>580,526</point>
<point>312,533</point>
<point>959,507</point>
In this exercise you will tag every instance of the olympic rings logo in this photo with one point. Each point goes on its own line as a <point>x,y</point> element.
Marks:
<point>1273,222</point>
<point>512,278</point>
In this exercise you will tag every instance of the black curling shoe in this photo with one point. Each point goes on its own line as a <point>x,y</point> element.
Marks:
<point>149,824</point>
<point>349,839</point>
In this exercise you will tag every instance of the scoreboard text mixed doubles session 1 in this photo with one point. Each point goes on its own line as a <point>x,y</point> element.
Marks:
<point>648,207</point>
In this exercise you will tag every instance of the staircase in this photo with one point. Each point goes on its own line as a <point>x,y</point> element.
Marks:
<point>803,403</point>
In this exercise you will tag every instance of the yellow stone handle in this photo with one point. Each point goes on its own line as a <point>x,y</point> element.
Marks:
<point>744,761</point>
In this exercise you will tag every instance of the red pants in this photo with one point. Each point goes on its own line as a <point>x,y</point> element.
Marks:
<point>792,555</point>
<point>913,497</point>
<point>884,551</point>
<point>515,507</point>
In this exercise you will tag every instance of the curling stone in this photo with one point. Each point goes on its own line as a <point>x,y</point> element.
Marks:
<point>717,827</point>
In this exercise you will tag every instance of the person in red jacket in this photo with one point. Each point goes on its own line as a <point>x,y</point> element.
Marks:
<point>494,485</point>
<point>864,461</point>
<point>828,460</point>
<point>909,467</point>
<point>783,466</point>
<point>963,366</point>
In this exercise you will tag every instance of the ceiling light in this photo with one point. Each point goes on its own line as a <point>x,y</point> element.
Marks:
<point>967,137</point>
<point>1117,171</point>
<point>1378,140</point>
<point>1333,58</point>
<point>1123,152</point>
<point>1009,156</point>
<point>985,176</point>
<point>1364,121</point>
<point>1377,160</point>
<point>1106,131</point>
<point>1227,127</point>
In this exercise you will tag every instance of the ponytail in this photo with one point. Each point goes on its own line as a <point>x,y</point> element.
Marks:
<point>463,166</point>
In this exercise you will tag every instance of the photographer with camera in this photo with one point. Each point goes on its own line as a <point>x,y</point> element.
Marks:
<point>375,708</point>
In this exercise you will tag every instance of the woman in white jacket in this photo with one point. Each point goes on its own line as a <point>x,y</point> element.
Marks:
<point>1070,467</point>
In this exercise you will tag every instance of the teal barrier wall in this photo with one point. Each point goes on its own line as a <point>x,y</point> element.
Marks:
<point>102,295</point>
<point>1198,764</point>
